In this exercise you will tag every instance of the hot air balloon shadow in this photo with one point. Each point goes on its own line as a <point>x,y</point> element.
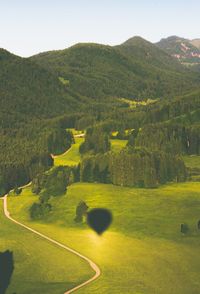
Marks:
<point>99,219</point>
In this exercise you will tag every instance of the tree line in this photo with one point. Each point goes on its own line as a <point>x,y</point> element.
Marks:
<point>133,167</point>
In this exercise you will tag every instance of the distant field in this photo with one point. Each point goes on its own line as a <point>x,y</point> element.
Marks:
<point>192,161</point>
<point>117,145</point>
<point>144,251</point>
<point>72,157</point>
<point>135,103</point>
<point>40,267</point>
<point>75,132</point>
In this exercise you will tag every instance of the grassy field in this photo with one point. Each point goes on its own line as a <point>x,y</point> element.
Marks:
<point>192,161</point>
<point>143,251</point>
<point>72,157</point>
<point>117,145</point>
<point>40,267</point>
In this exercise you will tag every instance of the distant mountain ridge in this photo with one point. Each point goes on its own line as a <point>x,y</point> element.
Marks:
<point>186,51</point>
<point>136,69</point>
<point>196,43</point>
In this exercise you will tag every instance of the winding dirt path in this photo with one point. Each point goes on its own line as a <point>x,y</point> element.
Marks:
<point>95,268</point>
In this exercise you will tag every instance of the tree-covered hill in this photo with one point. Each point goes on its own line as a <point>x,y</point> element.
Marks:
<point>31,102</point>
<point>29,90</point>
<point>148,53</point>
<point>80,87</point>
<point>136,69</point>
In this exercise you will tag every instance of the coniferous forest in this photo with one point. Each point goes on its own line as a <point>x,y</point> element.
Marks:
<point>37,106</point>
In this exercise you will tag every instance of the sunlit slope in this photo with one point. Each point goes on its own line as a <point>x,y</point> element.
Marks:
<point>143,251</point>
<point>40,267</point>
<point>72,156</point>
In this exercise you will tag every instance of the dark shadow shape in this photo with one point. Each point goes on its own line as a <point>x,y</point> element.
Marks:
<point>6,270</point>
<point>99,219</point>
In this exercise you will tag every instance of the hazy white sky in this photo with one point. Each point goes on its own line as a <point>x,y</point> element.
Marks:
<point>31,26</point>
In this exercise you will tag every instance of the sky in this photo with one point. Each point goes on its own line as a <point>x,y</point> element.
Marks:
<point>28,27</point>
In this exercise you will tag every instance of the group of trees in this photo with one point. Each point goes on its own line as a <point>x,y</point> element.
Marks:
<point>26,150</point>
<point>133,167</point>
<point>170,137</point>
<point>49,184</point>
<point>96,141</point>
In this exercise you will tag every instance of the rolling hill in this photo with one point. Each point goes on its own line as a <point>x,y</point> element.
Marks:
<point>136,69</point>
<point>29,90</point>
<point>30,100</point>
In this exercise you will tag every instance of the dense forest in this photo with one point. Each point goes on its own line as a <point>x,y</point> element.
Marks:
<point>100,89</point>
<point>136,69</point>
<point>133,167</point>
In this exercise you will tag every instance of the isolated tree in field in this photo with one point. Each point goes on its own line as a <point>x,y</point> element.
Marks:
<point>81,211</point>
<point>198,225</point>
<point>184,228</point>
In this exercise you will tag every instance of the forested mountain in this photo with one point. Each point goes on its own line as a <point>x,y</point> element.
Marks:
<point>31,99</point>
<point>136,69</point>
<point>184,50</point>
<point>143,50</point>
<point>29,90</point>
<point>83,87</point>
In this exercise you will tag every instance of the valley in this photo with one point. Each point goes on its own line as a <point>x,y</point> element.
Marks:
<point>148,253</point>
<point>100,126</point>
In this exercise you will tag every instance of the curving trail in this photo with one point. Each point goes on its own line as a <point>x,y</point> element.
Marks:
<point>95,268</point>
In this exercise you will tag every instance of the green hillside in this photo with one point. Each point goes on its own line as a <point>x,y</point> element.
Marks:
<point>26,89</point>
<point>31,102</point>
<point>40,267</point>
<point>99,71</point>
<point>148,252</point>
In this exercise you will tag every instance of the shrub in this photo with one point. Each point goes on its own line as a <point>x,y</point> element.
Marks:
<point>81,211</point>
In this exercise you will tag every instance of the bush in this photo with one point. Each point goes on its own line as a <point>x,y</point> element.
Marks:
<point>17,191</point>
<point>39,210</point>
<point>81,211</point>
<point>184,228</point>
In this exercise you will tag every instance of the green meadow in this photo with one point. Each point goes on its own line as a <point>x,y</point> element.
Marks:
<point>40,267</point>
<point>117,145</point>
<point>143,252</point>
<point>192,161</point>
<point>72,157</point>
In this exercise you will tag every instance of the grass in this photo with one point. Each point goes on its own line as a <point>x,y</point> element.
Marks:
<point>117,145</point>
<point>192,161</point>
<point>134,104</point>
<point>64,81</point>
<point>40,267</point>
<point>72,157</point>
<point>143,251</point>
